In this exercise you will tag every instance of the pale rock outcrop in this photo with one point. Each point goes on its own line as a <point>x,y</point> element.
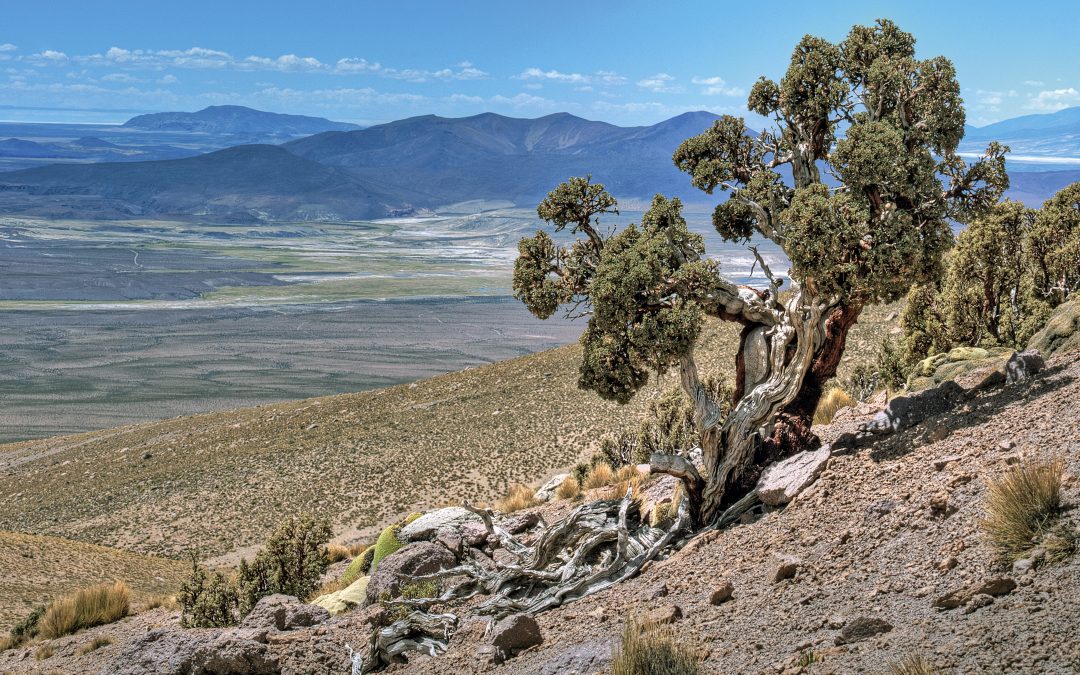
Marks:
<point>429,524</point>
<point>783,480</point>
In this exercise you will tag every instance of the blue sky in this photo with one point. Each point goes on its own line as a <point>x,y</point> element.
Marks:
<point>625,62</point>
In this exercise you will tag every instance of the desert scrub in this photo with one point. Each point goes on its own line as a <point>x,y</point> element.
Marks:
<point>155,601</point>
<point>337,553</point>
<point>651,649</point>
<point>570,488</point>
<point>519,497</point>
<point>359,566</point>
<point>1022,505</point>
<point>414,590</point>
<point>913,664</point>
<point>206,601</point>
<point>291,563</point>
<point>600,475</point>
<point>44,651</point>
<point>86,608</point>
<point>94,645</point>
<point>26,629</point>
<point>833,400</point>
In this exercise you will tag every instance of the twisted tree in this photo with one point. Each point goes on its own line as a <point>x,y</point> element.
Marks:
<point>857,180</point>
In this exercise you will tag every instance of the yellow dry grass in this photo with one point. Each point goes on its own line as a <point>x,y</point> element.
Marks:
<point>87,607</point>
<point>1022,504</point>
<point>568,489</point>
<point>519,497</point>
<point>830,402</point>
<point>337,553</point>
<point>648,648</point>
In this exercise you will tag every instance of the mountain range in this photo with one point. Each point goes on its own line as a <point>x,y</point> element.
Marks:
<point>346,173</point>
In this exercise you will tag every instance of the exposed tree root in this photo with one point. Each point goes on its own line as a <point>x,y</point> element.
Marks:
<point>595,547</point>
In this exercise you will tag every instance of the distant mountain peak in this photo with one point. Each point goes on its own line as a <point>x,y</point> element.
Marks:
<point>237,119</point>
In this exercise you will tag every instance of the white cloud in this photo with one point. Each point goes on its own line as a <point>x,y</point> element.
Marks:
<point>1054,99</point>
<point>119,77</point>
<point>600,77</point>
<point>168,79</point>
<point>1034,83</point>
<point>49,55</point>
<point>717,86</point>
<point>8,47</point>
<point>464,98</point>
<point>659,83</point>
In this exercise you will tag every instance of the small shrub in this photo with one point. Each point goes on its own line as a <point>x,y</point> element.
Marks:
<point>155,601</point>
<point>386,544</point>
<point>206,601</point>
<point>44,651</point>
<point>88,607</point>
<point>292,562</point>
<point>357,548</point>
<point>890,365</point>
<point>570,488</point>
<point>519,497</point>
<point>580,472</point>
<point>26,629</point>
<point>912,664</point>
<point>360,566</point>
<point>599,476</point>
<point>95,644</point>
<point>807,659</point>
<point>336,553</point>
<point>1022,505</point>
<point>414,590</point>
<point>649,649</point>
<point>624,478</point>
<point>833,400</point>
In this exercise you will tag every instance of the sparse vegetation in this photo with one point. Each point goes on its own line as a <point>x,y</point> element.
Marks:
<point>207,600</point>
<point>519,497</point>
<point>98,642</point>
<point>155,601</point>
<point>913,664</point>
<point>833,400</point>
<point>414,590</point>
<point>599,476</point>
<point>337,553</point>
<point>1022,505</point>
<point>88,607</point>
<point>44,651</point>
<point>292,562</point>
<point>570,488</point>
<point>650,649</point>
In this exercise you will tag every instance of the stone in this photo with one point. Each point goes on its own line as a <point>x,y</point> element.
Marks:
<point>1023,365</point>
<point>283,612</point>
<point>415,559</point>
<point>175,651</point>
<point>861,628</point>
<point>939,504</point>
<point>583,659</point>
<point>515,634</point>
<point>942,462</point>
<point>906,411</point>
<point>665,614</point>
<point>429,524</point>
<point>352,596</point>
<point>784,567</point>
<point>993,587</point>
<point>547,490</point>
<point>659,591</point>
<point>1061,333</point>
<point>519,522</point>
<point>721,593</point>
<point>474,534</point>
<point>978,601</point>
<point>660,490</point>
<point>451,538</point>
<point>781,481</point>
<point>1023,565</point>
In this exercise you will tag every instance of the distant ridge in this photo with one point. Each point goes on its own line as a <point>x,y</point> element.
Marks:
<point>236,119</point>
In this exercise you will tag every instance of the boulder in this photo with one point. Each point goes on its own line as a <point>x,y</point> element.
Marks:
<point>721,593</point>
<point>547,490</point>
<point>283,612</point>
<point>517,523</point>
<point>782,480</point>
<point>352,596</point>
<point>993,586</point>
<point>906,411</point>
<point>175,651</point>
<point>862,628</point>
<point>429,524</point>
<point>474,534</point>
<point>666,613</point>
<point>660,490</point>
<point>1023,365</point>
<point>784,567</point>
<point>514,634</point>
<point>1061,334</point>
<point>583,659</point>
<point>415,559</point>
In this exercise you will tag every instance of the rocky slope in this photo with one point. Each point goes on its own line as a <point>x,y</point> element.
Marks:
<point>880,558</point>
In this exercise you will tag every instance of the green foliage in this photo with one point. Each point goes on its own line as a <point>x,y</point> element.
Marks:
<point>413,590</point>
<point>668,427</point>
<point>291,562</point>
<point>1008,271</point>
<point>886,227</point>
<point>26,628</point>
<point>206,601</point>
<point>386,544</point>
<point>360,566</point>
<point>581,471</point>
